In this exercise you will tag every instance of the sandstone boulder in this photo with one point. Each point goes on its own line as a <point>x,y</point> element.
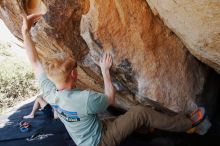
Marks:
<point>151,65</point>
<point>196,23</point>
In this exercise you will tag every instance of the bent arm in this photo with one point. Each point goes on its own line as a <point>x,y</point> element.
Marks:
<point>105,64</point>
<point>109,89</point>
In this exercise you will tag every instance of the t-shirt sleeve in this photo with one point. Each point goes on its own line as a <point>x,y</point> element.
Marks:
<point>97,102</point>
<point>48,88</point>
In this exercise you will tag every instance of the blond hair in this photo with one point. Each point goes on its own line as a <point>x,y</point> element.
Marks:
<point>59,68</point>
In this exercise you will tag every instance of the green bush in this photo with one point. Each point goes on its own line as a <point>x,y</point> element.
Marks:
<point>16,79</point>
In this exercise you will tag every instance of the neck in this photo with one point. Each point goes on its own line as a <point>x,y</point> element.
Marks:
<point>67,86</point>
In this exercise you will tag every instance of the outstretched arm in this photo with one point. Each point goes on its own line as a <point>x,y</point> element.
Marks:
<point>105,64</point>
<point>33,57</point>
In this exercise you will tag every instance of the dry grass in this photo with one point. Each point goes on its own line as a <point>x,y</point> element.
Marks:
<point>16,79</point>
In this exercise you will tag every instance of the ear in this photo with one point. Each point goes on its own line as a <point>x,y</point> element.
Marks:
<point>74,74</point>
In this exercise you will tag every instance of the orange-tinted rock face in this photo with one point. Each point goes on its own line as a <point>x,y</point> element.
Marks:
<point>150,62</point>
<point>148,58</point>
<point>196,23</point>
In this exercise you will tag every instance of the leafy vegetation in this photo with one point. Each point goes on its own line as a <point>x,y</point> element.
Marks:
<point>16,79</point>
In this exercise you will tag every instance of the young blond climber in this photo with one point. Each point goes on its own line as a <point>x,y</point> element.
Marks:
<point>78,109</point>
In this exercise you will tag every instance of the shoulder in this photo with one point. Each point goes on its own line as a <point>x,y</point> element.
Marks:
<point>94,93</point>
<point>97,102</point>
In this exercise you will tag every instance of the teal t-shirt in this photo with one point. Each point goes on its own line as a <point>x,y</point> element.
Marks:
<point>77,109</point>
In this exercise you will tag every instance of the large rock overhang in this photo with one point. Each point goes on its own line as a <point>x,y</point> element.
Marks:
<point>151,64</point>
